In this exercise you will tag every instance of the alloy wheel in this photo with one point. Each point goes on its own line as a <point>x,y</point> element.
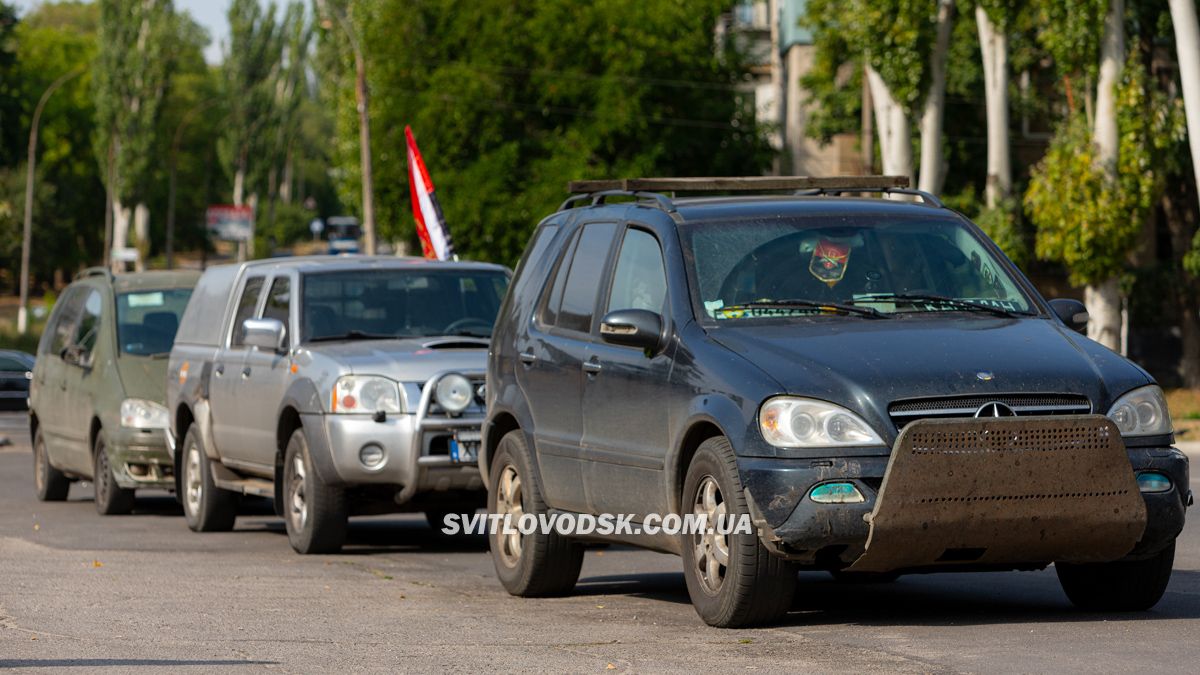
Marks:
<point>195,481</point>
<point>509,502</point>
<point>298,513</point>
<point>711,549</point>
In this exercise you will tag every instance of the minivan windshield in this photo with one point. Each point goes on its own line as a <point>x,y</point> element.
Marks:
<point>400,303</point>
<point>148,319</point>
<point>863,265</point>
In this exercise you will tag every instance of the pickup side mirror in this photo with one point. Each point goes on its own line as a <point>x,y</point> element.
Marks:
<point>268,334</point>
<point>1071,312</point>
<point>633,328</point>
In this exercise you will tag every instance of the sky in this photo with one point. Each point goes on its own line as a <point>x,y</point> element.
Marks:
<point>209,13</point>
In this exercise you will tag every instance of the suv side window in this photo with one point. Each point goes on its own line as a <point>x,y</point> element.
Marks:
<point>89,325</point>
<point>245,310</point>
<point>549,313</point>
<point>62,323</point>
<point>279,302</point>
<point>580,293</point>
<point>640,278</point>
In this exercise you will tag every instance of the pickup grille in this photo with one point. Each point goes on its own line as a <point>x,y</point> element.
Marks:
<point>948,407</point>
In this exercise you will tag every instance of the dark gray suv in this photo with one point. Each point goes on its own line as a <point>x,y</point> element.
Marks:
<point>870,381</point>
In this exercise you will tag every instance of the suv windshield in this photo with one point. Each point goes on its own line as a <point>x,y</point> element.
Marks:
<point>378,304</point>
<point>886,265</point>
<point>147,320</point>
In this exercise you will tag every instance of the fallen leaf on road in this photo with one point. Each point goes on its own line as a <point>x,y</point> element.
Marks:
<point>610,667</point>
<point>745,641</point>
<point>36,527</point>
<point>599,606</point>
<point>97,563</point>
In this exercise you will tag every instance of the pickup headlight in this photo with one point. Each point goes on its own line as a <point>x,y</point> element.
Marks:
<point>1142,412</point>
<point>454,393</point>
<point>789,422</point>
<point>137,413</point>
<point>365,394</point>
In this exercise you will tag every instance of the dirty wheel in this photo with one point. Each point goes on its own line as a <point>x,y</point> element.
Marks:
<point>732,579</point>
<point>50,484</point>
<point>533,564</point>
<point>1122,586</point>
<point>111,499</point>
<point>315,513</point>
<point>206,507</point>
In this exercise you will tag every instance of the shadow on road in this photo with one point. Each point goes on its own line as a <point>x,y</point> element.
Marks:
<point>668,586</point>
<point>119,663</point>
<point>387,535</point>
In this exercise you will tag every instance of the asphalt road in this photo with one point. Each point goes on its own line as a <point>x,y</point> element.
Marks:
<point>141,592</point>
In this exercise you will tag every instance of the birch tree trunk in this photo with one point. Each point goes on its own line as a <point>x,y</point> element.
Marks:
<point>141,235</point>
<point>1187,43</point>
<point>120,236</point>
<point>1104,300</point>
<point>895,131</point>
<point>993,43</point>
<point>932,174</point>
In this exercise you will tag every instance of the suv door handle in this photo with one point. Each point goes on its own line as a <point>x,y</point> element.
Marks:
<point>219,370</point>
<point>246,372</point>
<point>592,367</point>
<point>528,358</point>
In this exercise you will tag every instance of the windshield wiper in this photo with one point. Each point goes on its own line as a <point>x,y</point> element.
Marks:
<point>471,333</point>
<point>794,303</point>
<point>353,335</point>
<point>956,303</point>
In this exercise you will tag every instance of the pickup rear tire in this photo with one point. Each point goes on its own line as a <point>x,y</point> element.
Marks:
<point>1122,586</point>
<point>528,565</point>
<point>111,499</point>
<point>50,484</point>
<point>315,513</point>
<point>732,579</point>
<point>206,507</point>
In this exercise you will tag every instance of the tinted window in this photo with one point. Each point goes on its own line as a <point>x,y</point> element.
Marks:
<point>62,322</point>
<point>245,309</point>
<point>390,303</point>
<point>148,320</point>
<point>88,329</point>
<point>549,315</point>
<point>278,303</point>
<point>639,282</point>
<point>533,255</point>
<point>583,282</point>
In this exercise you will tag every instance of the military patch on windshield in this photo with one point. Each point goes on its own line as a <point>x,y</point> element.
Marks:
<point>829,261</point>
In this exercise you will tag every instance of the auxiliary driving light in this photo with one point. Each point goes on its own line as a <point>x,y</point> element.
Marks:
<point>1153,481</point>
<point>836,493</point>
<point>371,456</point>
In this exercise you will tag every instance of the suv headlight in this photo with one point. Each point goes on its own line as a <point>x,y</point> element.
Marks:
<point>137,413</point>
<point>1142,412</point>
<point>365,394</point>
<point>454,393</point>
<point>789,422</point>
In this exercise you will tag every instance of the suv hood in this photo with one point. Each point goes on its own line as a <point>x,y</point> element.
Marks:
<point>866,364</point>
<point>411,360</point>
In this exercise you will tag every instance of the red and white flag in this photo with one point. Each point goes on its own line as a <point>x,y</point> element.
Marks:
<point>431,224</point>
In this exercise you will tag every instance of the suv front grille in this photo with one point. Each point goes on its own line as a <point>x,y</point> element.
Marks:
<point>948,407</point>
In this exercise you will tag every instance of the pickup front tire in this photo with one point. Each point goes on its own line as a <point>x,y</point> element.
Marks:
<point>1122,586</point>
<point>206,507</point>
<point>315,513</point>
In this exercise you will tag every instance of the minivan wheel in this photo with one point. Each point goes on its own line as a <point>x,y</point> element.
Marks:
<point>528,565</point>
<point>1122,586</point>
<point>206,507</point>
<point>315,513</point>
<point>732,579</point>
<point>111,499</point>
<point>50,484</point>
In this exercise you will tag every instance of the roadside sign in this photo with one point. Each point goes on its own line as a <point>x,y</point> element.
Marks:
<point>231,223</point>
<point>125,255</point>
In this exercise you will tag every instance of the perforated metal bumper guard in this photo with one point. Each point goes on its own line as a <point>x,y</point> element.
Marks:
<point>1005,491</point>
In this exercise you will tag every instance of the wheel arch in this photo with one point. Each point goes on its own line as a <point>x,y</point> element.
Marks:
<point>289,422</point>
<point>497,427</point>
<point>698,431</point>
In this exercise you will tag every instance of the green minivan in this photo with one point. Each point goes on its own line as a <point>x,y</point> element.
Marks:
<point>96,400</point>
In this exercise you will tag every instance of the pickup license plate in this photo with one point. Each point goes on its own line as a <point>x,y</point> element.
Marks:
<point>464,446</point>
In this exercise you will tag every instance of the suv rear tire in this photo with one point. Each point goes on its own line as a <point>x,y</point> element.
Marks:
<point>50,484</point>
<point>1122,586</point>
<point>315,513</point>
<point>732,579</point>
<point>206,507</point>
<point>528,565</point>
<point>111,499</point>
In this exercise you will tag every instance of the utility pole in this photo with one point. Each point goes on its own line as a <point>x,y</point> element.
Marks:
<point>362,96</point>
<point>183,123</point>
<point>31,168</point>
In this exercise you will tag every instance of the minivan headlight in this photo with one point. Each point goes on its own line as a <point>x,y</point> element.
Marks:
<point>138,413</point>
<point>789,422</point>
<point>365,394</point>
<point>1142,412</point>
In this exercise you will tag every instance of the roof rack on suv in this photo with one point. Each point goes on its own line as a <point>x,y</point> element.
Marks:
<point>94,272</point>
<point>597,191</point>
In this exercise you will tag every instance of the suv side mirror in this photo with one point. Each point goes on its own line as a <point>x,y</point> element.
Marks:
<point>1071,312</point>
<point>633,328</point>
<point>75,356</point>
<point>267,334</point>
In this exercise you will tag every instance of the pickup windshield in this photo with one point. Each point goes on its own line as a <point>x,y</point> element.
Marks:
<point>782,268</point>
<point>148,319</point>
<point>400,303</point>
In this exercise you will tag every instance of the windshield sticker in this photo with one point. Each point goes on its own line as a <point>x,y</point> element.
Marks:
<point>145,299</point>
<point>829,262</point>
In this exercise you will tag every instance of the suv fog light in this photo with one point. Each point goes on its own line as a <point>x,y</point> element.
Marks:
<point>1153,481</point>
<point>836,493</point>
<point>371,456</point>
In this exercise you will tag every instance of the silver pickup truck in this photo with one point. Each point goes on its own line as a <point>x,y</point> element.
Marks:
<point>336,386</point>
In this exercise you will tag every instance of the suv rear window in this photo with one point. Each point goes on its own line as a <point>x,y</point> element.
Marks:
<point>586,270</point>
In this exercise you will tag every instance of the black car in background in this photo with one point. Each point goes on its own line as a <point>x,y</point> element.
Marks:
<point>16,370</point>
<point>871,381</point>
